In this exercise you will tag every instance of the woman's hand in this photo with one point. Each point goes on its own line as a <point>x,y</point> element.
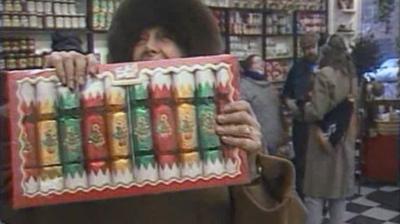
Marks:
<point>238,127</point>
<point>72,67</point>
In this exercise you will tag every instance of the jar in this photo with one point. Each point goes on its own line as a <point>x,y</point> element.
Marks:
<point>75,22</point>
<point>110,7</point>
<point>6,46</point>
<point>17,6</point>
<point>39,7</point>
<point>49,21</point>
<point>22,62</point>
<point>48,8</point>
<point>15,21</point>
<point>7,21</point>
<point>103,6</point>
<point>67,22</point>
<point>57,8</point>
<point>24,45</point>
<point>1,6</point>
<point>8,6</point>
<point>82,22</point>
<point>15,47</point>
<point>39,22</point>
<point>30,6</point>
<point>33,21</point>
<point>65,9</point>
<point>11,63</point>
<point>24,21</point>
<point>31,45</point>
<point>59,22</point>
<point>72,9</point>
<point>38,61</point>
<point>1,46</point>
<point>2,63</point>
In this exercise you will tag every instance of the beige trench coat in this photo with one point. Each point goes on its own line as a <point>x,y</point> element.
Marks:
<point>329,171</point>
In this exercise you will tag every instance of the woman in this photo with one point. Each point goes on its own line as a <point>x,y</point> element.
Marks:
<point>264,100</point>
<point>330,168</point>
<point>152,30</point>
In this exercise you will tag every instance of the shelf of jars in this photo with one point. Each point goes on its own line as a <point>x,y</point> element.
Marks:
<point>290,5</point>
<point>19,53</point>
<point>41,15</point>
<point>245,46</point>
<point>235,4</point>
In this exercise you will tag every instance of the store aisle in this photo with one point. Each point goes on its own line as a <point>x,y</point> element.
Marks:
<point>375,205</point>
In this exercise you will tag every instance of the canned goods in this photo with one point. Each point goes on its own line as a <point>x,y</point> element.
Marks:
<point>48,143</point>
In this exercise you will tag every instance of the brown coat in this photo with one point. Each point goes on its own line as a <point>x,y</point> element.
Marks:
<point>329,171</point>
<point>272,201</point>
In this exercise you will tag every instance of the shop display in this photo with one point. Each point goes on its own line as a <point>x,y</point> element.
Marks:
<point>135,128</point>
<point>279,47</point>
<point>291,5</point>
<point>102,13</point>
<point>245,23</point>
<point>41,14</point>
<point>279,23</point>
<point>245,46</point>
<point>311,22</point>
<point>277,70</point>
<point>18,53</point>
<point>235,3</point>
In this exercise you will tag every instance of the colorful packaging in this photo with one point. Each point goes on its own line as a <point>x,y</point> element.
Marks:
<point>133,129</point>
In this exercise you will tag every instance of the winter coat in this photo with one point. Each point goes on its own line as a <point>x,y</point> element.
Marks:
<point>264,100</point>
<point>329,171</point>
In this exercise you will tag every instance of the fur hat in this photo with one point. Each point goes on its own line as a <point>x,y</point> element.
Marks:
<point>189,22</point>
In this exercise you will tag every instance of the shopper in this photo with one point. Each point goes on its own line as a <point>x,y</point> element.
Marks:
<point>329,171</point>
<point>151,30</point>
<point>297,87</point>
<point>264,100</point>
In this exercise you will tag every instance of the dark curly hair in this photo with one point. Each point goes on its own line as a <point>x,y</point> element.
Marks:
<point>189,22</point>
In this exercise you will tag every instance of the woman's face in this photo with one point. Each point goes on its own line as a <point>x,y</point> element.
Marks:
<point>156,44</point>
<point>258,64</point>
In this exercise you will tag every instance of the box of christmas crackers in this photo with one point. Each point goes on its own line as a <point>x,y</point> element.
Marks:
<point>133,129</point>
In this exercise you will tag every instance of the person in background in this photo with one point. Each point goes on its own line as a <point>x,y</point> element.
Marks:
<point>330,164</point>
<point>265,102</point>
<point>146,30</point>
<point>296,89</point>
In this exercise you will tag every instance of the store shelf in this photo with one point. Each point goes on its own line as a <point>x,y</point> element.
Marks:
<point>280,35</point>
<point>350,11</point>
<point>245,35</point>
<point>313,11</point>
<point>17,30</point>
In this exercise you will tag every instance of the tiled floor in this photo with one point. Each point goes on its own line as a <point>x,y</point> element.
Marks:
<point>375,205</point>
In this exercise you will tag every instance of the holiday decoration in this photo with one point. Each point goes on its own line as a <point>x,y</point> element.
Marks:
<point>133,129</point>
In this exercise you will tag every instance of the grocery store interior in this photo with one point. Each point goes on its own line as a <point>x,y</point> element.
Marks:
<point>277,32</point>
